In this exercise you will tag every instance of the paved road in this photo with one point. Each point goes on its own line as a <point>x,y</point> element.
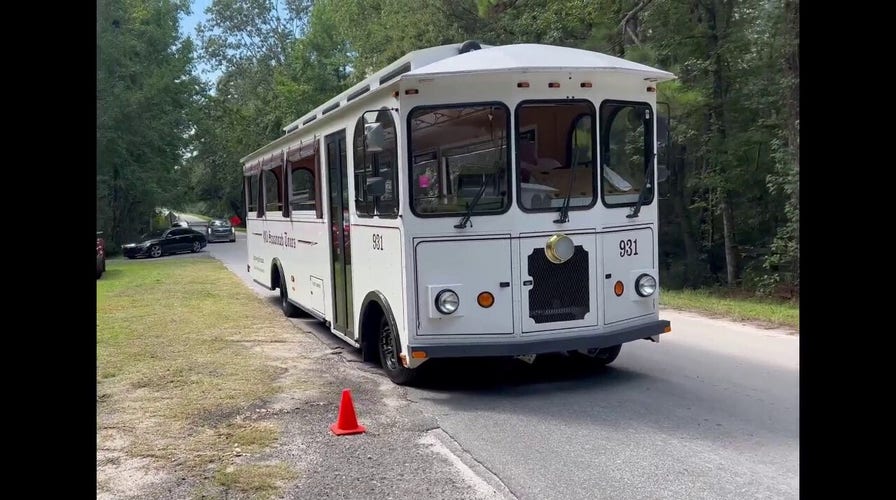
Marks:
<point>710,412</point>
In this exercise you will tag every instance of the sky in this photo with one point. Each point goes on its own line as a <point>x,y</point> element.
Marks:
<point>189,23</point>
<point>188,28</point>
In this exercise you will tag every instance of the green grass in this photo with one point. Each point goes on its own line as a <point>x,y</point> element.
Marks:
<point>258,480</point>
<point>724,304</point>
<point>175,370</point>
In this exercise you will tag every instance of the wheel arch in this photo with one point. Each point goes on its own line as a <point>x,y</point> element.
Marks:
<point>276,271</point>
<point>374,306</point>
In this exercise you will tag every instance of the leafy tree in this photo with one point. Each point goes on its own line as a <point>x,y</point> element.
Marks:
<point>251,42</point>
<point>145,91</point>
<point>730,210</point>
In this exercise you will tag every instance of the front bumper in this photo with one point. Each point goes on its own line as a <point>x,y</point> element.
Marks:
<point>220,237</point>
<point>135,251</point>
<point>540,346</point>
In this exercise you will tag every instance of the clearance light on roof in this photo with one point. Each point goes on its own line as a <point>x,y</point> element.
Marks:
<point>522,85</point>
<point>411,92</point>
<point>585,85</point>
<point>554,85</point>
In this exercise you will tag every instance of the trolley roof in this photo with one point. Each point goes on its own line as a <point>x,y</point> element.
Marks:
<point>445,60</point>
<point>531,57</point>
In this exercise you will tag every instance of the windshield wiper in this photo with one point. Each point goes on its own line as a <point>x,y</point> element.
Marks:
<point>564,209</point>
<point>466,218</point>
<point>642,195</point>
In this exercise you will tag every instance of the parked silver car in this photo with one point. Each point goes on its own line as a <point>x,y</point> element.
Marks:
<point>220,230</point>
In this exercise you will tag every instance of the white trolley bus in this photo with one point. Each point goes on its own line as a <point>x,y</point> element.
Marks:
<point>468,200</point>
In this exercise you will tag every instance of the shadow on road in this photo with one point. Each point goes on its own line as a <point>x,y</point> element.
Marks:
<point>484,375</point>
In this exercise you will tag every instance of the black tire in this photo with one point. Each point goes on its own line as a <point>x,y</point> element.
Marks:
<point>389,349</point>
<point>289,309</point>
<point>600,357</point>
<point>155,251</point>
<point>196,247</point>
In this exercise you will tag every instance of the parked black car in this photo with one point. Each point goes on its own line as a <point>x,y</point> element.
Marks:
<point>164,242</point>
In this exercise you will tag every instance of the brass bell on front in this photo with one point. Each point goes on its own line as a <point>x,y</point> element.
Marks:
<point>559,248</point>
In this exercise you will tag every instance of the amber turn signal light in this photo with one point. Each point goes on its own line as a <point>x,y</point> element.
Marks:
<point>485,299</point>
<point>618,288</point>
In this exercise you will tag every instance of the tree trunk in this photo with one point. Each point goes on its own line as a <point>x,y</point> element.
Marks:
<point>728,234</point>
<point>718,18</point>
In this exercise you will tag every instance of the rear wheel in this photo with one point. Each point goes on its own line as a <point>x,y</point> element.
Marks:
<point>390,348</point>
<point>290,310</point>
<point>599,357</point>
<point>196,247</point>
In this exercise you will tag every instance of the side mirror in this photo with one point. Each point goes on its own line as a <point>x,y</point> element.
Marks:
<point>374,137</point>
<point>376,186</point>
<point>664,142</point>
<point>662,173</point>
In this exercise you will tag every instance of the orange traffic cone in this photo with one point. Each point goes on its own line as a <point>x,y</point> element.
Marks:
<point>347,423</point>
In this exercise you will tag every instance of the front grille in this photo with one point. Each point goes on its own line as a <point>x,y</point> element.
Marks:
<point>559,291</point>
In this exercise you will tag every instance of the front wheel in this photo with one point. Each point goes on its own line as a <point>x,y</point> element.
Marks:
<point>155,251</point>
<point>389,348</point>
<point>599,357</point>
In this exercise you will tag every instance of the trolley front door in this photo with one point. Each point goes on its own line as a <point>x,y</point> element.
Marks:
<point>339,234</point>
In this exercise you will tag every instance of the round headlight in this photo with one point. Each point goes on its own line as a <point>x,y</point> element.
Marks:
<point>645,285</point>
<point>447,301</point>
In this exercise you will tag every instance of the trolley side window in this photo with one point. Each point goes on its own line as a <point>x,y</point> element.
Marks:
<point>273,192</point>
<point>252,194</point>
<point>302,196</point>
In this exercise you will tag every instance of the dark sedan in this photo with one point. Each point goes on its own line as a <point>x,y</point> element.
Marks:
<point>164,242</point>
<point>220,230</point>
